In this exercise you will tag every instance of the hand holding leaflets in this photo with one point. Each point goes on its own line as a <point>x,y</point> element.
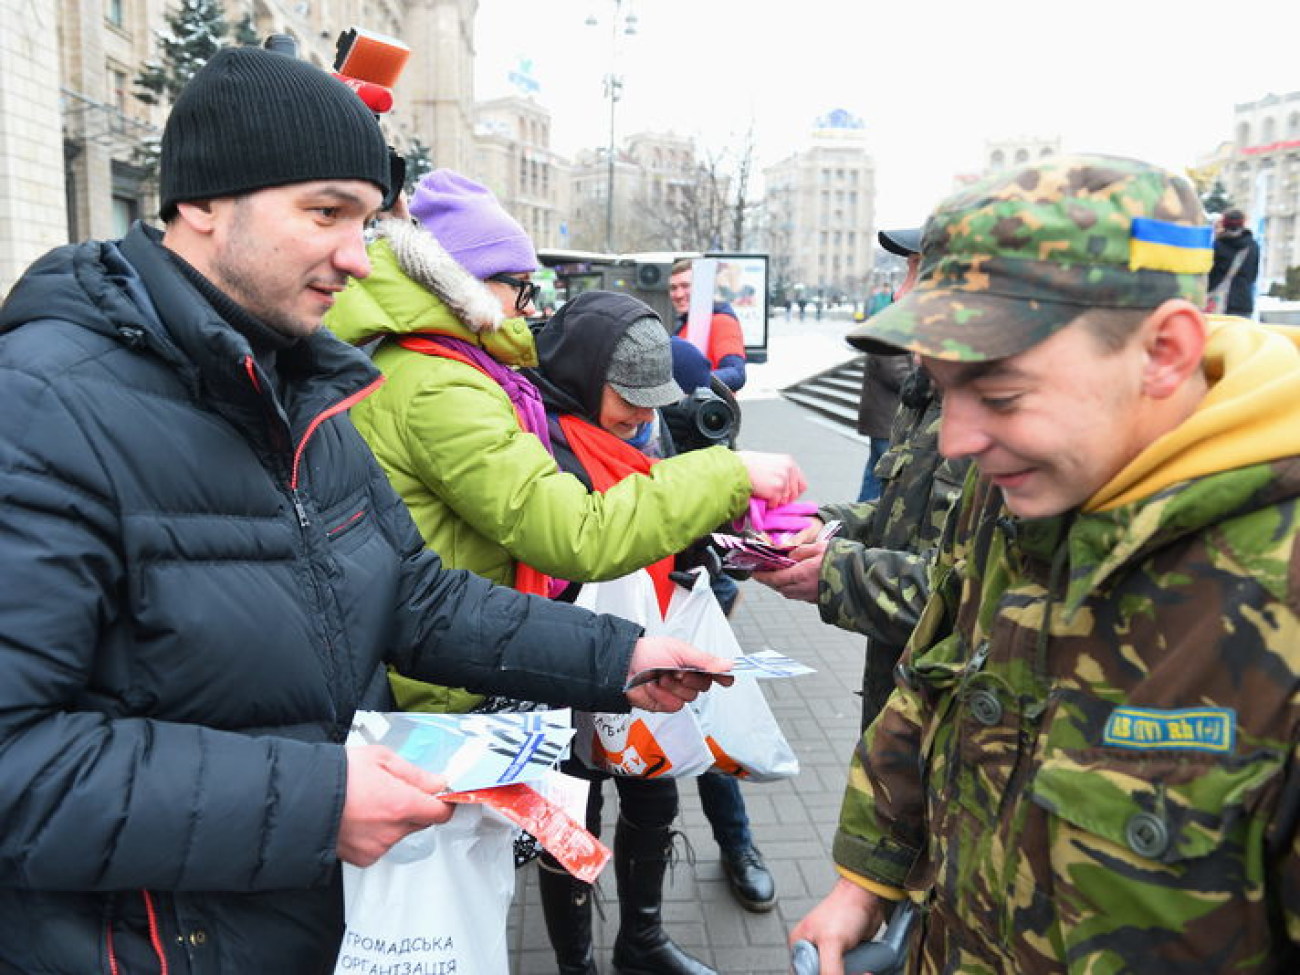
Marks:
<point>764,664</point>
<point>759,552</point>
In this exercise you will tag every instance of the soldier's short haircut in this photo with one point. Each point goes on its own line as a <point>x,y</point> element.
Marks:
<point>1113,327</point>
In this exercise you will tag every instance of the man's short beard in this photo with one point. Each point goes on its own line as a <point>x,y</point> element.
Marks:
<point>245,292</point>
<point>240,282</point>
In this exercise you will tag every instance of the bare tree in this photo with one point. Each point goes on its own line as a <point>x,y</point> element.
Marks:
<point>740,204</point>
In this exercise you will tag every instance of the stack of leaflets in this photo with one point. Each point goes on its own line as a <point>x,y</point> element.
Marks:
<point>757,552</point>
<point>505,761</point>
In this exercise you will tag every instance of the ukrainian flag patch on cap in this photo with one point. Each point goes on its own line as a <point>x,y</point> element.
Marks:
<point>1184,729</point>
<point>1156,245</point>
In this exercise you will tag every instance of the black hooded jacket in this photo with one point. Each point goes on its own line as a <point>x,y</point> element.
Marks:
<point>1241,290</point>
<point>574,349</point>
<point>205,573</point>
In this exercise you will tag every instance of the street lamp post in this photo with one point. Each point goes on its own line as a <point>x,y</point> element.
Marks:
<point>613,91</point>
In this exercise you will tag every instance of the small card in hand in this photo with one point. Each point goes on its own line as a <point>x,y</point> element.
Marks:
<point>763,664</point>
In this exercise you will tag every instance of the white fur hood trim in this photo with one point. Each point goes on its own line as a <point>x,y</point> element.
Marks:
<point>425,262</point>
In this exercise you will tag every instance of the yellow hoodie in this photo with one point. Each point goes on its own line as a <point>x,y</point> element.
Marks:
<point>1247,417</point>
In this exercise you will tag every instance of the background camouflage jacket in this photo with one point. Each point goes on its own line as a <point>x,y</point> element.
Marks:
<point>1106,709</point>
<point>874,576</point>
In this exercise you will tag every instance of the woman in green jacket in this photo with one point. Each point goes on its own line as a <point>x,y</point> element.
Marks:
<point>445,307</point>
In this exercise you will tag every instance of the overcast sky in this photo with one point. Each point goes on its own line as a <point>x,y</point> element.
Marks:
<point>931,79</point>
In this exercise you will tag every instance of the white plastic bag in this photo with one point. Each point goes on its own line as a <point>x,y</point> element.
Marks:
<point>435,902</point>
<point>738,725</point>
<point>640,744</point>
<point>737,732</point>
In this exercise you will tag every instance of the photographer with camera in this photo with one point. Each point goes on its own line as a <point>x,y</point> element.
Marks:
<point>708,415</point>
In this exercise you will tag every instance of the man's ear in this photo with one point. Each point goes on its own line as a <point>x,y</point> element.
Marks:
<point>1173,338</point>
<point>198,215</point>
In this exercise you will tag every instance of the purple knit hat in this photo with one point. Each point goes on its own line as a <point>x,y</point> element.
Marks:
<point>466,219</point>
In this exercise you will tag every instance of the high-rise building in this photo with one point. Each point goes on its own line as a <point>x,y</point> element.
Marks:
<point>514,159</point>
<point>1262,177</point>
<point>820,205</point>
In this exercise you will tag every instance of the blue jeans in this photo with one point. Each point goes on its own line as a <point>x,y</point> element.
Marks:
<point>724,807</point>
<point>870,484</point>
<point>725,592</point>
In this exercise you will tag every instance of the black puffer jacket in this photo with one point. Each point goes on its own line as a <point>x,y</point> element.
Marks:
<point>202,581</point>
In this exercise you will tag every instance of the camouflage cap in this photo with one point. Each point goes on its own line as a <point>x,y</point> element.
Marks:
<point>1016,257</point>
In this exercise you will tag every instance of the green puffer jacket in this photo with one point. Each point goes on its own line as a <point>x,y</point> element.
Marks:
<point>1107,733</point>
<point>484,493</point>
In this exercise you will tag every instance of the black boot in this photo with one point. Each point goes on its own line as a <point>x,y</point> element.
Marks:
<point>566,905</point>
<point>642,946</point>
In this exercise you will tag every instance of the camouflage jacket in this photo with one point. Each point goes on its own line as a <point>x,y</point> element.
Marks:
<point>1092,765</point>
<point>873,577</point>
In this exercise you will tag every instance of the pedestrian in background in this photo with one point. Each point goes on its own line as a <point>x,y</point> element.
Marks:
<point>883,373</point>
<point>1236,266</point>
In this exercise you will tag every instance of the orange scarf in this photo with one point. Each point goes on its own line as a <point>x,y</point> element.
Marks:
<point>607,460</point>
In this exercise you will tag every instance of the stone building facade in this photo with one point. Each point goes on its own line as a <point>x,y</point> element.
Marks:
<point>1261,175</point>
<point>820,205</point>
<point>71,124</point>
<point>513,157</point>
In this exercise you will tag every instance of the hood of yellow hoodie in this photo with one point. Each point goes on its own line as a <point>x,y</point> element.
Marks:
<point>1248,416</point>
<point>416,286</point>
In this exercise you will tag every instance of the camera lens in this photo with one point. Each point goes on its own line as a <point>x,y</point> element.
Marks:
<point>714,419</point>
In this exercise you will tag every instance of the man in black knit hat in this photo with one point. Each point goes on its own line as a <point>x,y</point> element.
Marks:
<point>207,573</point>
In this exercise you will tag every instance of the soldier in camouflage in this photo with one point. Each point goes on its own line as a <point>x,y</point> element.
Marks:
<point>872,576</point>
<point>1091,764</point>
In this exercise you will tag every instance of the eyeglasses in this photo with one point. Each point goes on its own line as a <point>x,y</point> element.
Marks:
<point>525,291</point>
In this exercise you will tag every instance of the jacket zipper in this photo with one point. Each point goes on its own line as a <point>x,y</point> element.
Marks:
<point>304,521</point>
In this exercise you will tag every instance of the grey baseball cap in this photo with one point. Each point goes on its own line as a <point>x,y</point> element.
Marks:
<point>641,368</point>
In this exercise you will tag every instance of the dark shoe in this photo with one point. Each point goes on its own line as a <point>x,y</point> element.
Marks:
<point>642,946</point>
<point>749,879</point>
<point>664,959</point>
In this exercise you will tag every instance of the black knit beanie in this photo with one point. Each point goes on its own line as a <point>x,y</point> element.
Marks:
<point>252,118</point>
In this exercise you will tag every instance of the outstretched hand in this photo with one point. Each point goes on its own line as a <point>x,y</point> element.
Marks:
<point>798,581</point>
<point>776,478</point>
<point>681,682</point>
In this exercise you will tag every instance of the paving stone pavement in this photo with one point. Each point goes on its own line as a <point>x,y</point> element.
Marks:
<point>793,820</point>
